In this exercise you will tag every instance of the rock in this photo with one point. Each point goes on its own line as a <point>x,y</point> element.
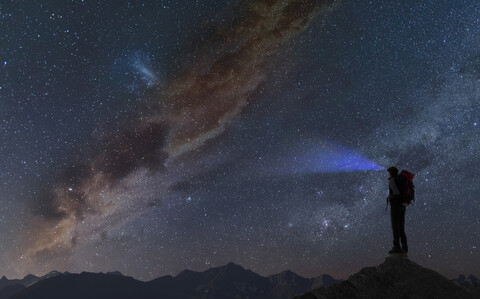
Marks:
<point>397,277</point>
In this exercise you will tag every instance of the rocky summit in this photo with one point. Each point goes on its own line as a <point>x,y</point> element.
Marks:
<point>397,277</point>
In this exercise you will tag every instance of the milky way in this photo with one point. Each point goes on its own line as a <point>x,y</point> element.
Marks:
<point>149,138</point>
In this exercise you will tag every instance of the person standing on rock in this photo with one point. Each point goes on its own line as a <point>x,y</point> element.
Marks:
<point>398,200</point>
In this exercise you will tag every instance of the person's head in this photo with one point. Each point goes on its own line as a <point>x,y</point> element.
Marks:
<point>392,171</point>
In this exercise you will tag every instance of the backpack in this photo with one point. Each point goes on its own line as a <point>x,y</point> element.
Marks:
<point>410,187</point>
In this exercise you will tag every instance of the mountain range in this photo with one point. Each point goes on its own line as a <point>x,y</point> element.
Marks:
<point>229,281</point>
<point>397,277</point>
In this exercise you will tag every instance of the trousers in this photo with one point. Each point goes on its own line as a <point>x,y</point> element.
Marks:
<point>397,214</point>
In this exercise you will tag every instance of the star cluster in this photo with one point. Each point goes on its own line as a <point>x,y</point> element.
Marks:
<point>153,136</point>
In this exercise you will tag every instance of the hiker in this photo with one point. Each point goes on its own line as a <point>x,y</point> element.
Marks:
<point>399,200</point>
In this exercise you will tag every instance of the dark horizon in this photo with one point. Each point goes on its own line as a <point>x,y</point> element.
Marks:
<point>223,266</point>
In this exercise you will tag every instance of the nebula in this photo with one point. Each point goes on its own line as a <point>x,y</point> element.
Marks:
<point>201,101</point>
<point>193,107</point>
<point>140,65</point>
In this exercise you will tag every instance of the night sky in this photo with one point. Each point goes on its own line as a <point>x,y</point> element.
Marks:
<point>150,137</point>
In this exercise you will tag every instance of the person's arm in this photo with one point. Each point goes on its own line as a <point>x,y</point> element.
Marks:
<point>390,193</point>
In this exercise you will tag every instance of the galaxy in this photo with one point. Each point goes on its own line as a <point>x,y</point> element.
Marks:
<point>150,137</point>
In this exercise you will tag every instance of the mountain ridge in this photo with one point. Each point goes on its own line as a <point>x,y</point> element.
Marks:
<point>228,281</point>
<point>395,278</point>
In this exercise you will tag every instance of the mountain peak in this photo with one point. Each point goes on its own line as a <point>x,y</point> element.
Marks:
<point>288,272</point>
<point>233,265</point>
<point>285,275</point>
<point>30,276</point>
<point>228,268</point>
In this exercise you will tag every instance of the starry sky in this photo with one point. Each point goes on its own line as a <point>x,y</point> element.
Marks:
<point>150,137</point>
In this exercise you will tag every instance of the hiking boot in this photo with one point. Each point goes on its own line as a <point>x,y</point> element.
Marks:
<point>395,250</point>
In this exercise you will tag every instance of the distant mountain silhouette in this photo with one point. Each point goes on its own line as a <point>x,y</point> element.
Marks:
<point>9,287</point>
<point>85,285</point>
<point>397,277</point>
<point>229,281</point>
<point>470,280</point>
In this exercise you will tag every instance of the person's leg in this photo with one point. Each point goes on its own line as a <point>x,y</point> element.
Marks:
<point>403,235</point>
<point>395,227</point>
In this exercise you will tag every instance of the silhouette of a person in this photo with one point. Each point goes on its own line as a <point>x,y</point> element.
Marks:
<point>397,197</point>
